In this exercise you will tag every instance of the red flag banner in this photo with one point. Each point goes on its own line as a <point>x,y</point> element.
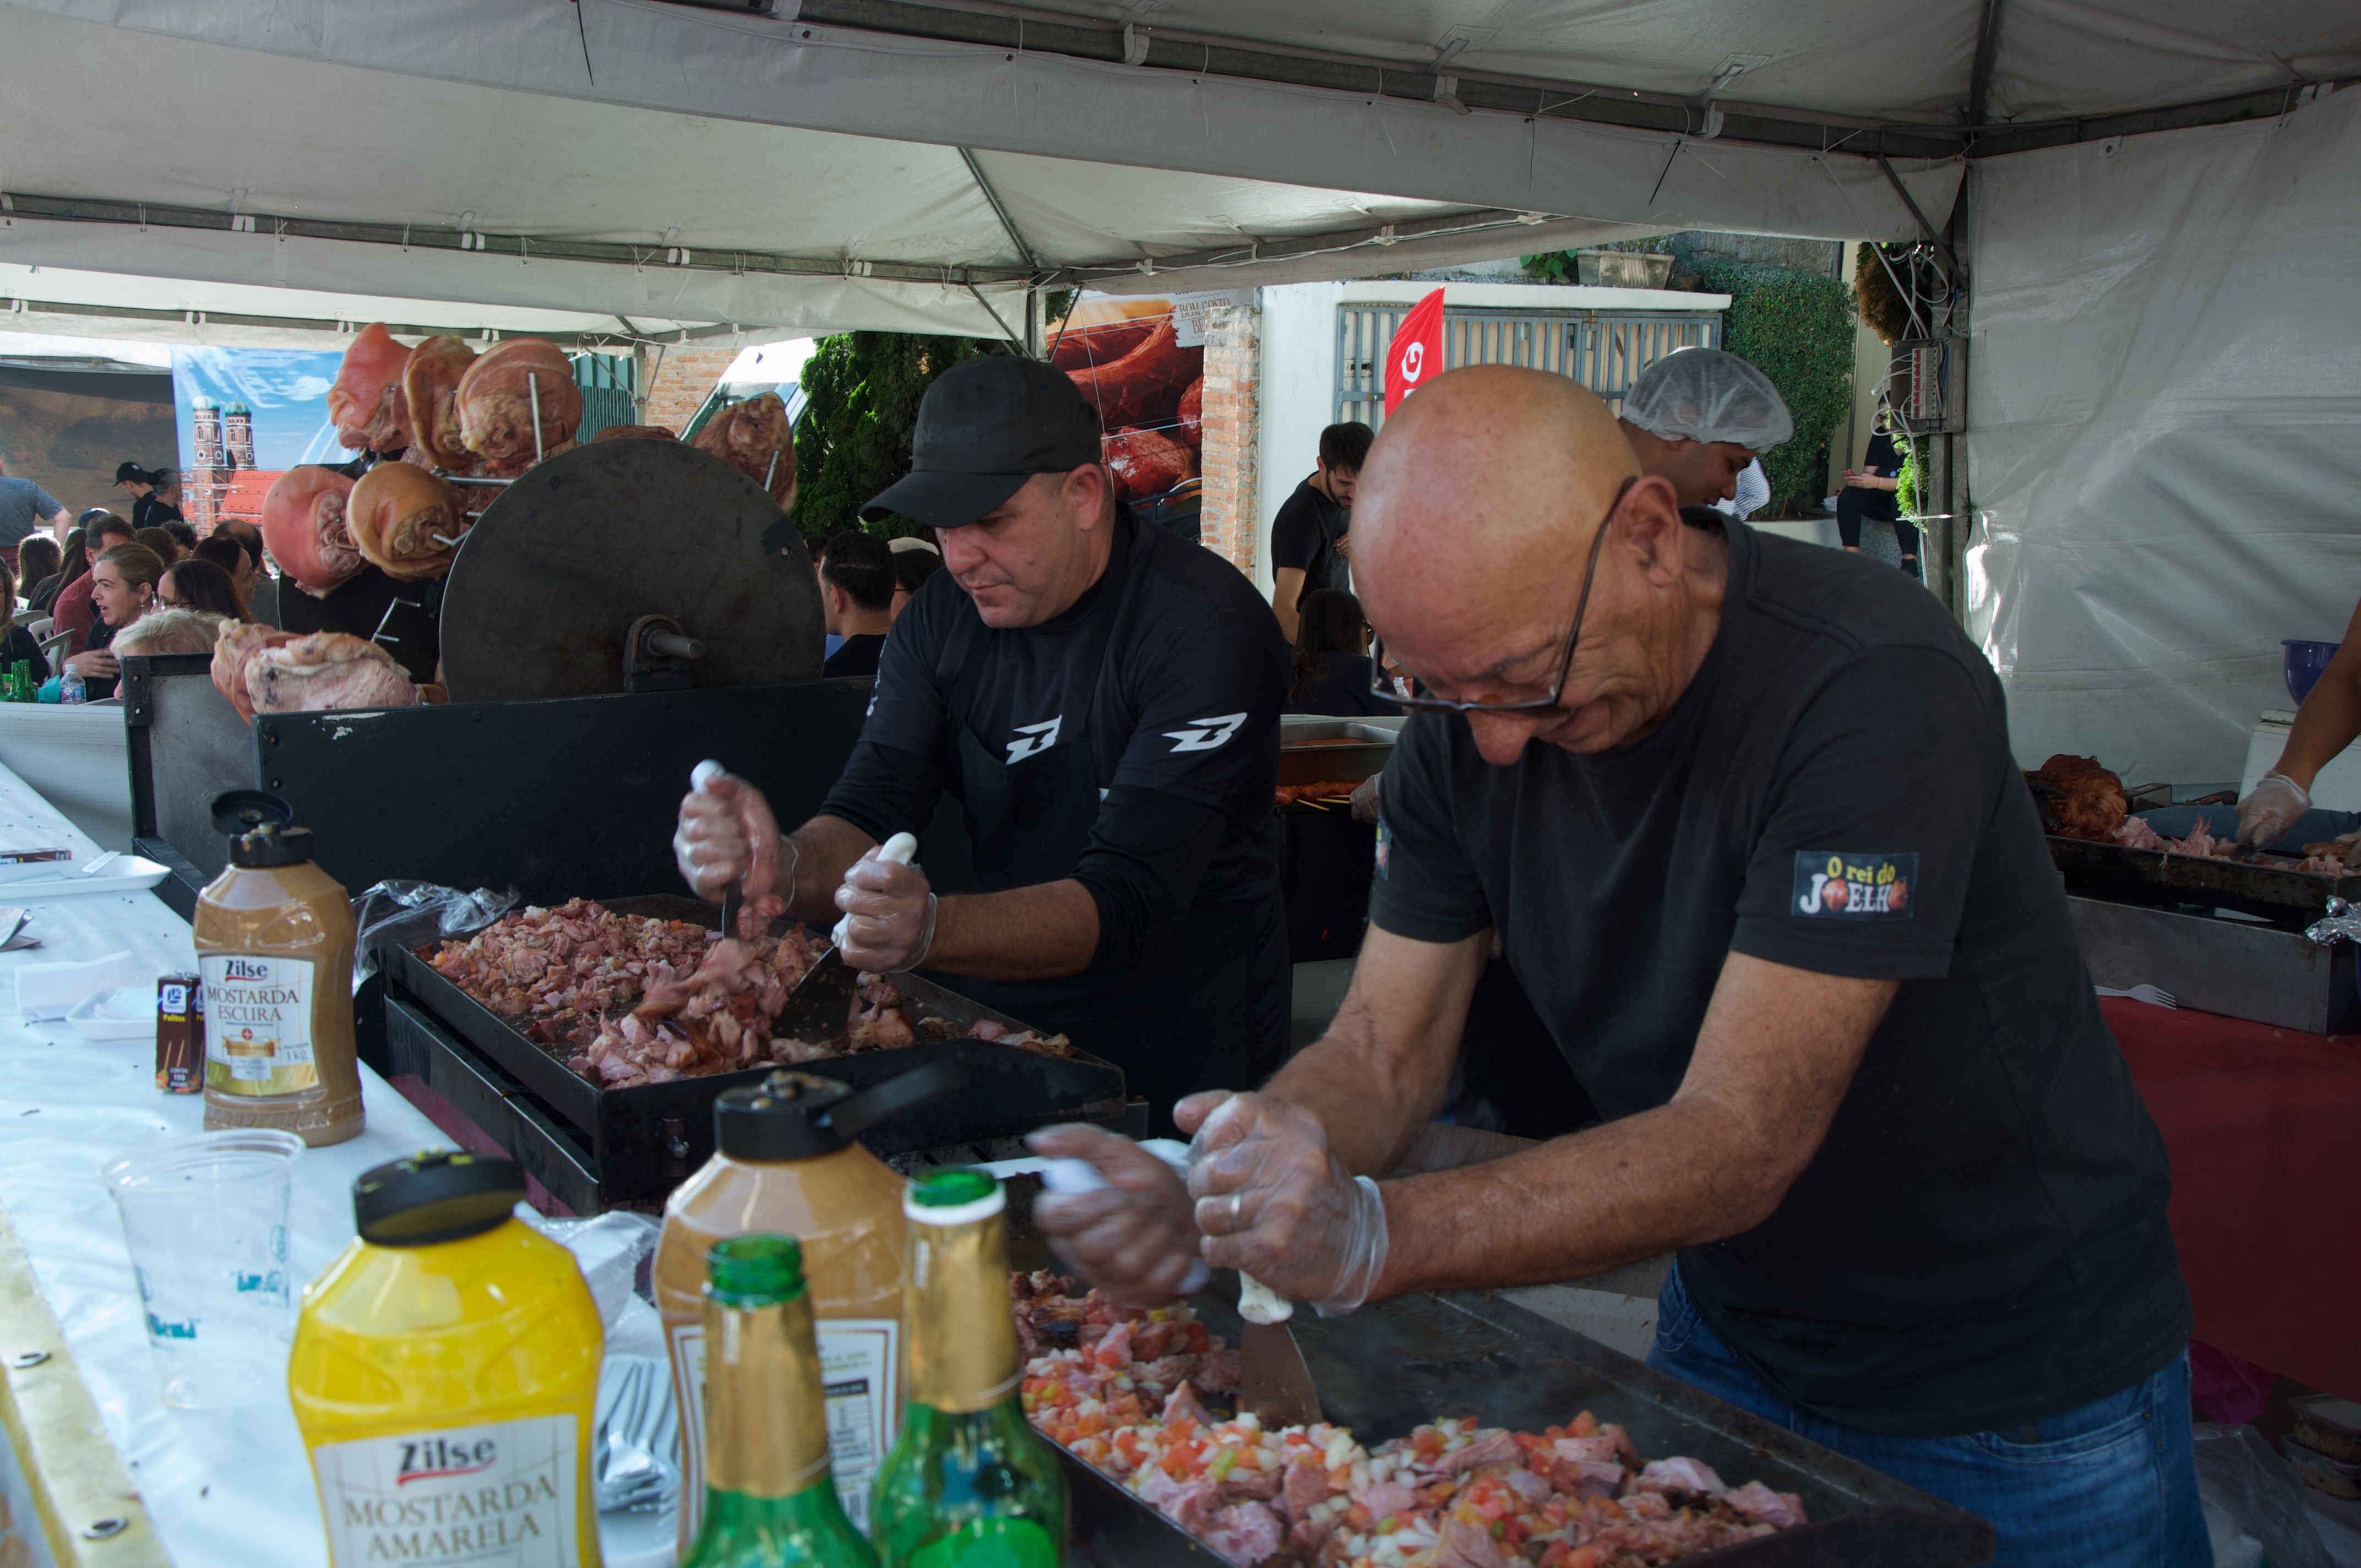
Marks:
<point>1416,356</point>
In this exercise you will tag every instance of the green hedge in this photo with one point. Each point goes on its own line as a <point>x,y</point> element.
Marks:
<point>1797,328</point>
<point>862,391</point>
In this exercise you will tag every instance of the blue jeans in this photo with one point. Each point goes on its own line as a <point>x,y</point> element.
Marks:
<point>2109,1486</point>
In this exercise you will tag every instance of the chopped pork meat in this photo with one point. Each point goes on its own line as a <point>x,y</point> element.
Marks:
<point>2202,843</point>
<point>1451,1494</point>
<point>2136,834</point>
<point>2323,865</point>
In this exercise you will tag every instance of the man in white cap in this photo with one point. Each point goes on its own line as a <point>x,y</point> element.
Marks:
<point>1698,417</point>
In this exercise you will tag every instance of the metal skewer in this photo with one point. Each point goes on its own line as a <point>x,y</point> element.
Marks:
<point>474,479</point>
<point>770,473</point>
<point>532,390</point>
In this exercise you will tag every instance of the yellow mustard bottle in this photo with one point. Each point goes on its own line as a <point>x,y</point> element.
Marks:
<point>786,1163</point>
<point>274,940</point>
<point>445,1375</point>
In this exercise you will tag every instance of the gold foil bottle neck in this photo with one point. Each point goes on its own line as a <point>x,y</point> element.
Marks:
<point>963,1337</point>
<point>766,1428</point>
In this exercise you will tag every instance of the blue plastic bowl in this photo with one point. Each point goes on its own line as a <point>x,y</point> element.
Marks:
<point>2303,664</point>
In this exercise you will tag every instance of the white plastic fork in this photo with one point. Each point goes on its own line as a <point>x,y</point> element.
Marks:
<point>2154,996</point>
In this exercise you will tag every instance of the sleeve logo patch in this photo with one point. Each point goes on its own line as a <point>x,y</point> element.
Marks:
<point>1853,884</point>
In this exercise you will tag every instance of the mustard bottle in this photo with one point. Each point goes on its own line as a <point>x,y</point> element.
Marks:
<point>274,938</point>
<point>786,1162</point>
<point>445,1376</point>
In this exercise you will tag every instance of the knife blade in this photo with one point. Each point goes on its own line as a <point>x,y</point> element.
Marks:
<point>1274,1382</point>
<point>821,1002</point>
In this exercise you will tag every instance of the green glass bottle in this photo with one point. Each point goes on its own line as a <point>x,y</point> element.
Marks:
<point>968,1483</point>
<point>770,1501</point>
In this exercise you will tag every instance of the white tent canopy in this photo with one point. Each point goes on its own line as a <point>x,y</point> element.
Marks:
<point>657,164</point>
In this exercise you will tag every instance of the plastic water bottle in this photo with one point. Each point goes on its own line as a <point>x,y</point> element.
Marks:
<point>71,688</point>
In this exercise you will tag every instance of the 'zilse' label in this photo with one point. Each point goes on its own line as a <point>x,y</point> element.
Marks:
<point>499,1495</point>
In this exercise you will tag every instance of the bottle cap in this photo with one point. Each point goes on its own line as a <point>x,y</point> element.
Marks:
<point>259,823</point>
<point>800,1115</point>
<point>953,1195</point>
<point>436,1195</point>
<point>754,1270</point>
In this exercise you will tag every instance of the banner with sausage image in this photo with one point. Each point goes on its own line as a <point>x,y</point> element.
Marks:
<point>1141,363</point>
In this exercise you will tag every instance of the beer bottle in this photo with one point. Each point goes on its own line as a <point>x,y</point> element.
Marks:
<point>769,1500</point>
<point>968,1484</point>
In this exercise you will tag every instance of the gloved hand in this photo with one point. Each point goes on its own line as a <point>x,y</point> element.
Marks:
<point>727,834</point>
<point>891,914</point>
<point>1136,1237</point>
<point>1272,1199</point>
<point>2271,812</point>
<point>1366,804</point>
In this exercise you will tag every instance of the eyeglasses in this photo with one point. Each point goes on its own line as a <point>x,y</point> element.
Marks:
<point>1378,686</point>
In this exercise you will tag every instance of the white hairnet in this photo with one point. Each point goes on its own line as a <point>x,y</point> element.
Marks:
<point>1704,394</point>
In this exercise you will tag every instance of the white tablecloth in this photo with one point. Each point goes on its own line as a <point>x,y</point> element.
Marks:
<point>228,1487</point>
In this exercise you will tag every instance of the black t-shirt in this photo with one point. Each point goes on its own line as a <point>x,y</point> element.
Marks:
<point>1188,708</point>
<point>409,613</point>
<point>149,513</point>
<point>1982,1239</point>
<point>857,655</point>
<point>1303,536</point>
<point>21,644</point>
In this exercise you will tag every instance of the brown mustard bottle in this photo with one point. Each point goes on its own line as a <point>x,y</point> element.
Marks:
<point>274,938</point>
<point>786,1162</point>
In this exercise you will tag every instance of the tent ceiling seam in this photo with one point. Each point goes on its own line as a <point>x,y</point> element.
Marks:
<point>1980,75</point>
<point>131,213</point>
<point>1768,125</point>
<point>1000,211</point>
<point>14,304</point>
<point>1383,235</point>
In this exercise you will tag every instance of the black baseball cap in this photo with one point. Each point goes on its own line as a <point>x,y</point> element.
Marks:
<point>985,427</point>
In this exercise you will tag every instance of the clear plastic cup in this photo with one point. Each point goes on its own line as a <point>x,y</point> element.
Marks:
<point>206,1220</point>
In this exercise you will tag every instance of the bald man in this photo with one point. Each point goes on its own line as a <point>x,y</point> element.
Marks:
<point>1745,820</point>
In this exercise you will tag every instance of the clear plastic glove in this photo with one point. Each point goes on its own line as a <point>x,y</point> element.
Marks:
<point>890,914</point>
<point>1273,1201</point>
<point>1366,805</point>
<point>726,835</point>
<point>1135,1238</point>
<point>2271,812</point>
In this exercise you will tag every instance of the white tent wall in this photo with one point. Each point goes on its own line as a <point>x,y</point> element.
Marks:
<point>2163,421</point>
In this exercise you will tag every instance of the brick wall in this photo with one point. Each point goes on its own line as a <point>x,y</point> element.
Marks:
<point>678,382</point>
<point>1227,524</point>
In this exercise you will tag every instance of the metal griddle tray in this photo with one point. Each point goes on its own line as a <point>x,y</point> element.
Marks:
<point>1386,1369</point>
<point>2272,890</point>
<point>647,1137</point>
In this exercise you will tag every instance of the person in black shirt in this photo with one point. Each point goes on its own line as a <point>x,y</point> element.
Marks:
<point>1853,1071</point>
<point>1103,699</point>
<point>1308,542</point>
<point>1871,493</point>
<point>146,487</point>
<point>1331,669</point>
<point>856,593</point>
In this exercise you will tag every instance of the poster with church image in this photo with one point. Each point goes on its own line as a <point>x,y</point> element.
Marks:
<point>247,415</point>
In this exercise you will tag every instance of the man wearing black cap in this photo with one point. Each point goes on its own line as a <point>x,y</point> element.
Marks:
<point>1103,699</point>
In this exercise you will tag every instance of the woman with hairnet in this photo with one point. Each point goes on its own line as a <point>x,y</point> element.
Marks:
<point>1699,417</point>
